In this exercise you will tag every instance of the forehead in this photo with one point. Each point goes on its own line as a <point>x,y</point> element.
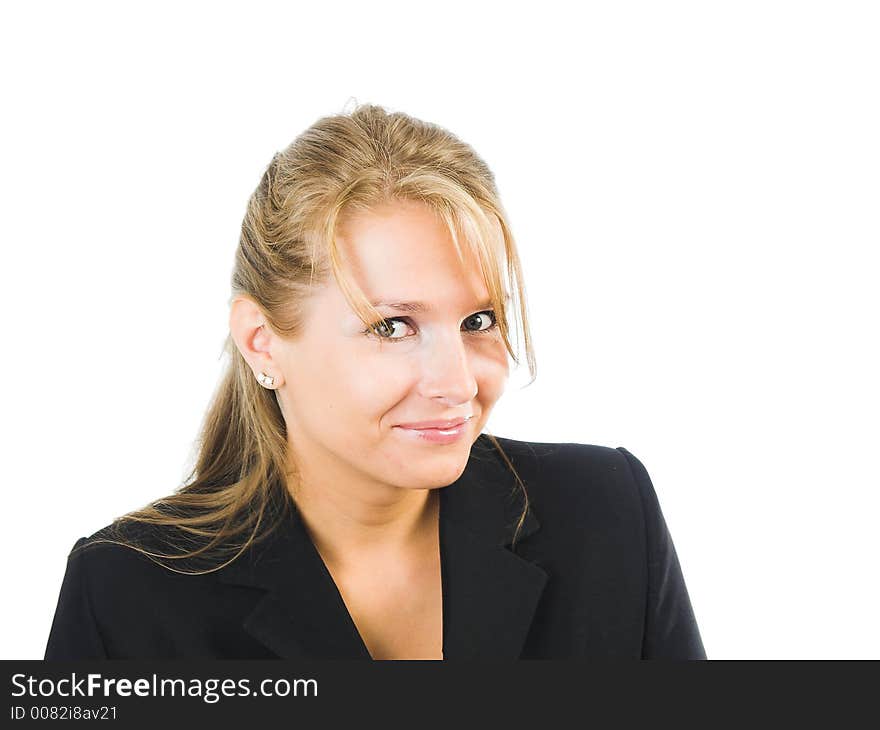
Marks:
<point>404,252</point>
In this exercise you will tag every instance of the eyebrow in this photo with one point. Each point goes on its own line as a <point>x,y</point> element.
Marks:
<point>424,307</point>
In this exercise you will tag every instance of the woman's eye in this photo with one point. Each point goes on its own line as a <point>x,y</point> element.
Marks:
<point>385,328</point>
<point>484,320</point>
<point>479,323</point>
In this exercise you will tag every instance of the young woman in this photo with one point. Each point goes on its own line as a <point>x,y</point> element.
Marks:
<point>347,501</point>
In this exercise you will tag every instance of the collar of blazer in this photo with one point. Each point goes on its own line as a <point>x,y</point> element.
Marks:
<point>489,592</point>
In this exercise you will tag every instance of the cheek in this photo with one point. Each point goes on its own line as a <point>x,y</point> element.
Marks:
<point>494,370</point>
<point>490,390</point>
<point>370,386</point>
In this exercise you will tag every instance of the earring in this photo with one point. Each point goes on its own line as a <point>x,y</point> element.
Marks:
<point>266,380</point>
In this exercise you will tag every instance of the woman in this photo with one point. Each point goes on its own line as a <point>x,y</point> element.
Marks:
<point>346,502</point>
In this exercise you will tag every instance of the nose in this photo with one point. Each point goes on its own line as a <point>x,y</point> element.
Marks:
<point>447,374</point>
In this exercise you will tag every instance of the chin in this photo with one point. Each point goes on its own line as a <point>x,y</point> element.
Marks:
<point>437,475</point>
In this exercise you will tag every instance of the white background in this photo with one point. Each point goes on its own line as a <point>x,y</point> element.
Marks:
<point>694,188</point>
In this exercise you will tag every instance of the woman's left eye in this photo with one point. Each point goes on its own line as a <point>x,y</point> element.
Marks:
<point>485,322</point>
<point>488,315</point>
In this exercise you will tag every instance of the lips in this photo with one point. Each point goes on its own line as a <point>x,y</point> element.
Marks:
<point>443,424</point>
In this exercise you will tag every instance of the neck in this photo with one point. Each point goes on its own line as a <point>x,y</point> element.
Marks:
<point>360,522</point>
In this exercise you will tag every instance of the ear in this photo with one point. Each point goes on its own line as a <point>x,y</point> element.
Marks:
<point>253,338</point>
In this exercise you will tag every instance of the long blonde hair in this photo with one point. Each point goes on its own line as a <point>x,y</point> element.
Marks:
<point>236,493</point>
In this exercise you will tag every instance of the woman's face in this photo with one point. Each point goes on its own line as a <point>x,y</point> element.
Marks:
<point>345,393</point>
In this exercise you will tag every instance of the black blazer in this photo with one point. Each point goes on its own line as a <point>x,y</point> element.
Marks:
<point>598,576</point>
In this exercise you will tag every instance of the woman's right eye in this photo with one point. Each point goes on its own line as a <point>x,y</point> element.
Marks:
<point>384,329</point>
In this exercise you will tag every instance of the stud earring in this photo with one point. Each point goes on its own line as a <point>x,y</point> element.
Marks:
<point>266,380</point>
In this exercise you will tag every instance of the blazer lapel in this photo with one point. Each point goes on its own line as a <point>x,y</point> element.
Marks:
<point>489,593</point>
<point>302,615</point>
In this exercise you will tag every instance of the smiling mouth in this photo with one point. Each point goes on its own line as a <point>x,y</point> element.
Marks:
<point>440,425</point>
<point>437,436</point>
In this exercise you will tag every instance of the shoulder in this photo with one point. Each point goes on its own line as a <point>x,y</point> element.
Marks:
<point>122,555</point>
<point>570,466</point>
<point>559,453</point>
<point>588,480</point>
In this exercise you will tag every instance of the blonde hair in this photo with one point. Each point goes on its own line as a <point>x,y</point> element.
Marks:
<point>344,164</point>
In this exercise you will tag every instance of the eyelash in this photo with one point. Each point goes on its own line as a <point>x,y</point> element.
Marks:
<point>371,330</point>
